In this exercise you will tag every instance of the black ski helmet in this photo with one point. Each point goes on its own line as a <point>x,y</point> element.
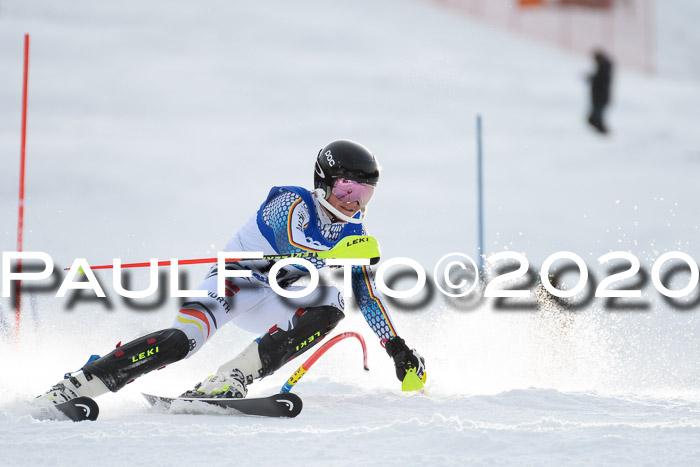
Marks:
<point>344,159</point>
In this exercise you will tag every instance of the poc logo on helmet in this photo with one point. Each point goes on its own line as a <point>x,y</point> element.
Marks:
<point>329,158</point>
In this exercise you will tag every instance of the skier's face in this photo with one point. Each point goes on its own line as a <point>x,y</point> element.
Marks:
<point>348,191</point>
<point>347,208</point>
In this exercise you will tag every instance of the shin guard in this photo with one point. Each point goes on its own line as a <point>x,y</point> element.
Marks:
<point>309,326</point>
<point>138,357</point>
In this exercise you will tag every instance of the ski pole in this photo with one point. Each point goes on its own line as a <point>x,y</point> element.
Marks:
<point>301,371</point>
<point>353,246</point>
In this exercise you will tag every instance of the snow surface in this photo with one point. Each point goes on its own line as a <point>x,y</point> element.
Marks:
<point>156,128</point>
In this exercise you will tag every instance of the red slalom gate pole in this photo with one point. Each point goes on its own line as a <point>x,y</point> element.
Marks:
<point>20,221</point>
<point>301,371</point>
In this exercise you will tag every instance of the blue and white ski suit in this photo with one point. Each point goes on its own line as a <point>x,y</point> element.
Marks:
<point>290,220</point>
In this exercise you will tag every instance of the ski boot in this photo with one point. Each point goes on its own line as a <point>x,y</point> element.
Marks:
<point>269,352</point>
<point>231,385</point>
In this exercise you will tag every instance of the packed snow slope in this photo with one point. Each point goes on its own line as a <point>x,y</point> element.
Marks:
<point>156,129</point>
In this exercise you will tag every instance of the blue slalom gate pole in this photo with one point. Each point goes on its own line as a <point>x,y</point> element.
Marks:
<point>480,194</point>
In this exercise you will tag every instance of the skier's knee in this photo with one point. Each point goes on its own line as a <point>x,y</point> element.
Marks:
<point>309,326</point>
<point>139,357</point>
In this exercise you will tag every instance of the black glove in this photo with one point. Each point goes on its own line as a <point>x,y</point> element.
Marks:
<point>404,358</point>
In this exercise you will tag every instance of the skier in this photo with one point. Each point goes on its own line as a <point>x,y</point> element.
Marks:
<point>291,220</point>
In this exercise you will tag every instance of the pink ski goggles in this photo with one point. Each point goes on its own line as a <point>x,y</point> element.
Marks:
<point>349,191</point>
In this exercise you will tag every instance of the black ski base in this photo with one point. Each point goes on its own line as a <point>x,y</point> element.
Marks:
<point>278,405</point>
<point>79,409</point>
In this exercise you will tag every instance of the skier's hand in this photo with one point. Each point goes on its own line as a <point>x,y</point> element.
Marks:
<point>405,359</point>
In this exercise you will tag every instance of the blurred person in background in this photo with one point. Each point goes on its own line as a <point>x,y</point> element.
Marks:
<point>600,90</point>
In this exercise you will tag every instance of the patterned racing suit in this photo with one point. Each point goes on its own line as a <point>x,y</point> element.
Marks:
<point>290,220</point>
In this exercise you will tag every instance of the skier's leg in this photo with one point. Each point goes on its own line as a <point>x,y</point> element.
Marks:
<point>138,357</point>
<point>147,353</point>
<point>121,366</point>
<point>200,318</point>
<point>297,325</point>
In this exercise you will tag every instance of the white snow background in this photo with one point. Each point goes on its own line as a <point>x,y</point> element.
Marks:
<point>156,129</point>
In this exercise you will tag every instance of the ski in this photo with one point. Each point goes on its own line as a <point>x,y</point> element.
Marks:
<point>278,405</point>
<point>79,409</point>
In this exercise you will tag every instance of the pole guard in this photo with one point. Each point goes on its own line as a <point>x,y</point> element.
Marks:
<point>301,371</point>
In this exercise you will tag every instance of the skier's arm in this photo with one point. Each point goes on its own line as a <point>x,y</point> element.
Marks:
<point>371,305</point>
<point>377,316</point>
